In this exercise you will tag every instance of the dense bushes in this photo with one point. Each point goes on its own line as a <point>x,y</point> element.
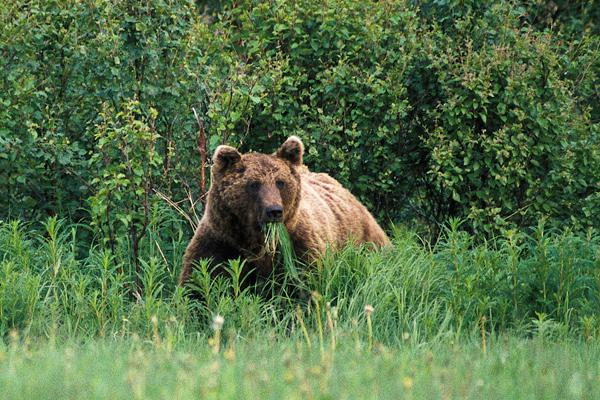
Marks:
<point>476,110</point>
<point>62,64</point>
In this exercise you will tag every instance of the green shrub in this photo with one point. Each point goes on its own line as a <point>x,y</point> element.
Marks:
<point>61,62</point>
<point>484,111</point>
<point>128,167</point>
<point>470,118</point>
<point>507,143</point>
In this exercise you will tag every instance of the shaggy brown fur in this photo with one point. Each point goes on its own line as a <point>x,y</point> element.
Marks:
<point>252,189</point>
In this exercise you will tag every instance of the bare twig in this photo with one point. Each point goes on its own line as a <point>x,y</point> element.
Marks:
<point>193,223</point>
<point>190,199</point>
<point>201,141</point>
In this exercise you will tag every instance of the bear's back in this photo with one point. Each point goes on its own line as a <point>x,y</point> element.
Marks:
<point>329,215</point>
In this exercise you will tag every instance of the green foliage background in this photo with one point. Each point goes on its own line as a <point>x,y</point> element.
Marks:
<point>426,110</point>
<point>475,123</point>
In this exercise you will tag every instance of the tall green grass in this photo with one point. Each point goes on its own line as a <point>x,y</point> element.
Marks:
<point>279,243</point>
<point>514,317</point>
<point>55,285</point>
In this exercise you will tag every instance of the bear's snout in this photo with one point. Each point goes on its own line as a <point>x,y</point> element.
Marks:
<point>271,204</point>
<point>274,213</point>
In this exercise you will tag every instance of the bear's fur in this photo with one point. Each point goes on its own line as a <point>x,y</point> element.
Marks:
<point>249,190</point>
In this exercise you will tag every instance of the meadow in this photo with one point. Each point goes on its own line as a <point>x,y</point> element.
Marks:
<point>275,369</point>
<point>515,316</point>
<point>470,129</point>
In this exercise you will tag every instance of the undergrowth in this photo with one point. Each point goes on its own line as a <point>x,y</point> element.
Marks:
<point>55,285</point>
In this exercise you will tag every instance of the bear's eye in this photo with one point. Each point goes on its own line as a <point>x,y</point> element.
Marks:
<point>254,186</point>
<point>280,184</point>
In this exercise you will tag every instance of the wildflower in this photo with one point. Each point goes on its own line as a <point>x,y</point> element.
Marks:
<point>218,322</point>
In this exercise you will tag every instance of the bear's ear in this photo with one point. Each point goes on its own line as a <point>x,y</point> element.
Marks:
<point>292,150</point>
<point>225,157</point>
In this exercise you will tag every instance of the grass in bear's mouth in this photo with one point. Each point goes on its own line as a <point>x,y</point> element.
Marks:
<point>277,240</point>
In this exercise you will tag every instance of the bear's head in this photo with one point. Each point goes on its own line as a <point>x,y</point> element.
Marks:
<point>258,188</point>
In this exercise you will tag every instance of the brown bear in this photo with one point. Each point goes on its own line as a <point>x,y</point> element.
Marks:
<point>251,190</point>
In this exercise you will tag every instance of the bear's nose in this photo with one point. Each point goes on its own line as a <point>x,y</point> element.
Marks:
<point>274,213</point>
